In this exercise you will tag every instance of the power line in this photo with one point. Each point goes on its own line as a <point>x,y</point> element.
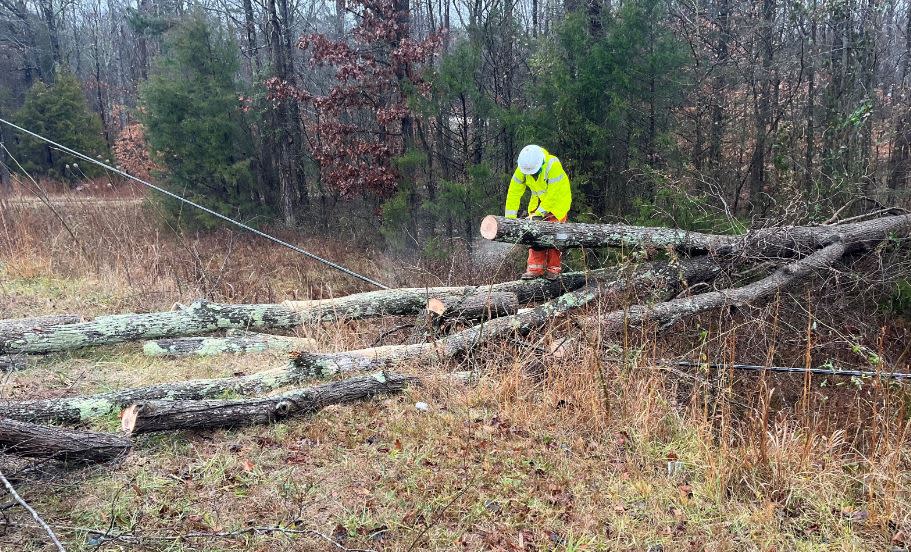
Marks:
<point>797,370</point>
<point>216,214</point>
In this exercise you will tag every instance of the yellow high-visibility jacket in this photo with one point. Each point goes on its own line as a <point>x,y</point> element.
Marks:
<point>550,192</point>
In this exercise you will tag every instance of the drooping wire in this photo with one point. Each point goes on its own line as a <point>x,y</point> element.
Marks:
<point>216,214</point>
<point>900,376</point>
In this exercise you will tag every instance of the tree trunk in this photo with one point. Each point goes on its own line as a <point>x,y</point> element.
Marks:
<point>719,89</point>
<point>80,447</point>
<point>37,324</point>
<point>657,275</point>
<point>810,151</point>
<point>774,241</point>
<point>152,416</point>
<point>203,317</point>
<point>900,156</point>
<point>199,318</point>
<point>6,184</point>
<point>287,177</point>
<point>763,114</point>
<point>668,312</point>
<point>212,346</point>
<point>477,306</point>
<point>665,276</point>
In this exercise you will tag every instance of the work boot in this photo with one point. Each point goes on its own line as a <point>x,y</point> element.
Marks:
<point>531,274</point>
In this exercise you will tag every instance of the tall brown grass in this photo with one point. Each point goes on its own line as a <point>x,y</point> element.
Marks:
<point>816,450</point>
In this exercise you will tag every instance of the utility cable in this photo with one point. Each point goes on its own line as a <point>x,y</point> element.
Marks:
<point>216,214</point>
<point>797,370</point>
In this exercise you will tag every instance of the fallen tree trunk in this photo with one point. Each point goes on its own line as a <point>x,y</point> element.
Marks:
<point>153,416</point>
<point>79,409</point>
<point>37,441</point>
<point>211,346</point>
<point>476,306</point>
<point>203,317</point>
<point>72,410</point>
<point>198,318</point>
<point>169,415</point>
<point>669,277</point>
<point>14,325</point>
<point>578,234</point>
<point>774,241</point>
<point>668,312</point>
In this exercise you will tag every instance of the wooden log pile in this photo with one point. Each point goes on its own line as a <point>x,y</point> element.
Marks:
<point>658,292</point>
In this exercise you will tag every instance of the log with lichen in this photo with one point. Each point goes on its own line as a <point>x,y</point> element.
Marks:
<point>667,276</point>
<point>755,243</point>
<point>474,306</point>
<point>664,277</point>
<point>151,416</point>
<point>203,317</point>
<point>248,342</point>
<point>37,323</point>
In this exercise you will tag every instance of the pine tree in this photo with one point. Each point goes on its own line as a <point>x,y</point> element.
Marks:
<point>195,124</point>
<point>59,112</point>
<point>605,96</point>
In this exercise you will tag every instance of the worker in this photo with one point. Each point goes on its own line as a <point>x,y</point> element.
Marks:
<point>543,175</point>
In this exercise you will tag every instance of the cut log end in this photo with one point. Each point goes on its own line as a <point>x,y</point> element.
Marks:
<point>489,227</point>
<point>436,306</point>
<point>128,418</point>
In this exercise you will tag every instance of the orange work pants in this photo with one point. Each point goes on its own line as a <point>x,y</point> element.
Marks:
<point>541,259</point>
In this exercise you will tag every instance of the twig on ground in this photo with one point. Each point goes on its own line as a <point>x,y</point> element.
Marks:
<point>24,504</point>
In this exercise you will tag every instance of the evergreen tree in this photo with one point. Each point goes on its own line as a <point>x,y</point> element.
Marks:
<point>604,98</point>
<point>194,122</point>
<point>59,112</point>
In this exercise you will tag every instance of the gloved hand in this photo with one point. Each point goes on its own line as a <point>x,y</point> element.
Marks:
<point>535,216</point>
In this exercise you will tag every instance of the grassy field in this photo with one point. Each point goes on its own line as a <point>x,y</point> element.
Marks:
<point>600,446</point>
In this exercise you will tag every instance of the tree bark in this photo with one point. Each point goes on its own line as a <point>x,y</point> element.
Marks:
<point>38,323</point>
<point>198,318</point>
<point>669,277</point>
<point>780,241</point>
<point>153,416</point>
<point>476,306</point>
<point>79,409</point>
<point>657,275</point>
<point>203,317</point>
<point>669,312</point>
<point>211,346</point>
<point>80,447</point>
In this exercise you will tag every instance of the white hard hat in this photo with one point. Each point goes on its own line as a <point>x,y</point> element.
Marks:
<point>530,159</point>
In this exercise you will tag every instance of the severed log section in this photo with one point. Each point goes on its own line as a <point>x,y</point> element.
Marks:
<point>13,325</point>
<point>475,306</point>
<point>232,344</point>
<point>198,318</point>
<point>202,317</point>
<point>668,312</point>
<point>81,447</point>
<point>669,277</point>
<point>779,241</point>
<point>73,410</point>
<point>577,234</point>
<point>152,416</point>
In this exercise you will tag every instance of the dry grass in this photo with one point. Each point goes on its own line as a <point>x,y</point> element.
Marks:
<point>600,448</point>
